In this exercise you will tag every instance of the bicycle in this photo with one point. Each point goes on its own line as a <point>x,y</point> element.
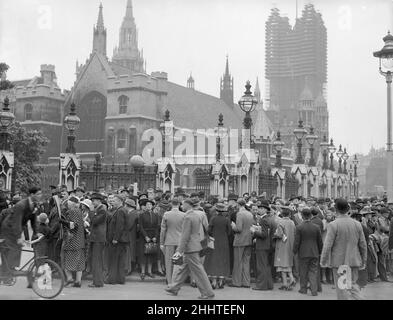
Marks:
<point>44,275</point>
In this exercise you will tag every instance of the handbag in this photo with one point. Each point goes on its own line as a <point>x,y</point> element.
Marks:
<point>177,261</point>
<point>150,248</point>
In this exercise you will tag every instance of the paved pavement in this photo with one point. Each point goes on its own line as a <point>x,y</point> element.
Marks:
<point>137,290</point>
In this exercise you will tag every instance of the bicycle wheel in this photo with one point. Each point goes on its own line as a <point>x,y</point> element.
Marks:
<point>47,278</point>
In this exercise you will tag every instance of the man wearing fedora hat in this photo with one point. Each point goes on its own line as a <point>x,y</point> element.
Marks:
<point>97,240</point>
<point>132,222</point>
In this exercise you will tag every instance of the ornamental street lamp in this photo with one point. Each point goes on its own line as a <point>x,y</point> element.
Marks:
<point>345,157</point>
<point>164,129</point>
<point>6,120</point>
<point>300,133</point>
<point>311,138</point>
<point>138,164</point>
<point>278,145</point>
<point>221,134</point>
<point>71,122</point>
<point>385,56</point>
<point>350,172</point>
<point>355,175</point>
<point>325,149</point>
<point>332,149</point>
<point>340,156</point>
<point>247,104</point>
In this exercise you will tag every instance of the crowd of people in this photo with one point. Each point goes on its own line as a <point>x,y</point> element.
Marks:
<point>211,241</point>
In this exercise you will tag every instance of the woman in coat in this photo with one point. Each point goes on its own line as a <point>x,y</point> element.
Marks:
<point>74,245</point>
<point>283,259</point>
<point>149,228</point>
<point>217,264</point>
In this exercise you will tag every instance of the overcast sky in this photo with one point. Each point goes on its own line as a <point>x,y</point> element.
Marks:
<point>183,36</point>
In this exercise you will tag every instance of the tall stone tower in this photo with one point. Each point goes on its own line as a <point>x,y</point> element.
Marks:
<point>127,53</point>
<point>226,87</point>
<point>99,34</point>
<point>191,82</point>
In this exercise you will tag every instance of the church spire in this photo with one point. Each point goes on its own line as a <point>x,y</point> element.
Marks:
<point>257,91</point>
<point>100,20</point>
<point>99,34</point>
<point>226,86</point>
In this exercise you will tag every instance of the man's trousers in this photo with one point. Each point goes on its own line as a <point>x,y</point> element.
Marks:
<point>192,266</point>
<point>264,279</point>
<point>97,262</point>
<point>241,266</point>
<point>169,251</point>
<point>308,272</point>
<point>117,263</point>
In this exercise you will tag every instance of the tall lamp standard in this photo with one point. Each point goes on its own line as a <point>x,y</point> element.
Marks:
<point>350,172</point>
<point>332,150</point>
<point>345,158</point>
<point>340,157</point>
<point>311,138</point>
<point>355,175</point>
<point>278,145</point>
<point>248,104</point>
<point>299,133</point>
<point>221,135</point>
<point>6,120</point>
<point>385,56</point>
<point>325,149</point>
<point>71,122</point>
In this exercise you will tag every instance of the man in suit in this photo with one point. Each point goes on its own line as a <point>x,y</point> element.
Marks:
<point>171,227</point>
<point>264,279</point>
<point>391,235</point>
<point>190,246</point>
<point>97,240</point>
<point>242,246</point>
<point>345,245</point>
<point>315,219</point>
<point>308,246</point>
<point>118,239</point>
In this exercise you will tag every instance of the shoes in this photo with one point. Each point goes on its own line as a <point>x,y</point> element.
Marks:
<point>150,275</point>
<point>302,292</point>
<point>255,288</point>
<point>314,294</point>
<point>233,286</point>
<point>69,283</point>
<point>94,286</point>
<point>246,287</point>
<point>169,291</point>
<point>193,284</point>
<point>77,285</point>
<point>143,276</point>
<point>203,297</point>
<point>161,274</point>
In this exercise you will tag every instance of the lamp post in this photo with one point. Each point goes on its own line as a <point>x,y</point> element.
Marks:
<point>355,175</point>
<point>325,149</point>
<point>71,122</point>
<point>311,138</point>
<point>300,133</point>
<point>138,164</point>
<point>247,104</point>
<point>340,156</point>
<point>164,128</point>
<point>6,120</point>
<point>221,134</point>
<point>278,145</point>
<point>385,56</point>
<point>345,157</point>
<point>350,172</point>
<point>332,149</point>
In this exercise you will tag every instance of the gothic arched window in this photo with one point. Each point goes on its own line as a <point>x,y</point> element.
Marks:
<point>121,139</point>
<point>123,104</point>
<point>28,112</point>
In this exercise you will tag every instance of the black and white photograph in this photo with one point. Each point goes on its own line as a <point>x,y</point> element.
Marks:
<point>211,151</point>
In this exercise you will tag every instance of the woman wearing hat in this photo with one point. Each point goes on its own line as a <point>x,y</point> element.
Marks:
<point>74,245</point>
<point>217,264</point>
<point>149,224</point>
